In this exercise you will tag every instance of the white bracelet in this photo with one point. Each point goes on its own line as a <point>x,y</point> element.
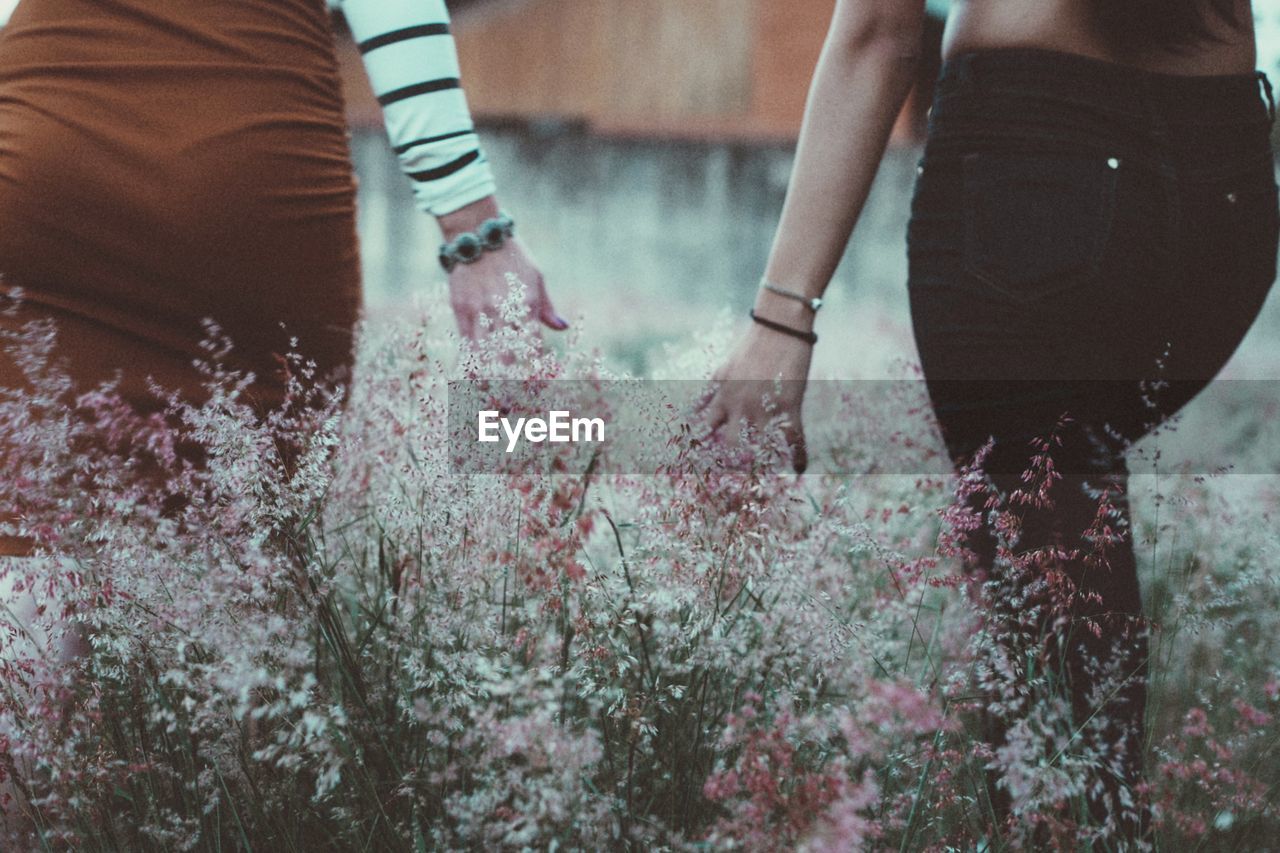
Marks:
<point>813,302</point>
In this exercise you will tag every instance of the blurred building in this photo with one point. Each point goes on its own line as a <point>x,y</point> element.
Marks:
<point>644,147</point>
<point>714,69</point>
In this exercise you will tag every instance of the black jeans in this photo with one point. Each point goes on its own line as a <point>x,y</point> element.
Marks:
<point>1079,228</point>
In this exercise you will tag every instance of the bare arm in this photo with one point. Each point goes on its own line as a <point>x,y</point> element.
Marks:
<point>864,75</point>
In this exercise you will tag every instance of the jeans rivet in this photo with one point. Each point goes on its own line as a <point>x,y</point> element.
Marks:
<point>1231,197</point>
<point>1113,163</point>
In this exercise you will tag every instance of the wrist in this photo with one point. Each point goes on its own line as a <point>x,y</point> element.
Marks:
<point>775,354</point>
<point>469,246</point>
<point>468,218</point>
<point>781,309</point>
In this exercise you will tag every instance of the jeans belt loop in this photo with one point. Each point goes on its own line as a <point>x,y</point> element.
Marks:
<point>1270,96</point>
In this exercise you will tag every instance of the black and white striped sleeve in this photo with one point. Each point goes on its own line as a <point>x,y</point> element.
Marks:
<point>412,63</point>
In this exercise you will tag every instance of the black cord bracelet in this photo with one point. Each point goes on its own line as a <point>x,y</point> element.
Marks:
<point>808,337</point>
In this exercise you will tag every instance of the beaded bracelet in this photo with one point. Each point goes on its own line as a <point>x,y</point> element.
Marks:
<point>808,337</point>
<point>470,246</point>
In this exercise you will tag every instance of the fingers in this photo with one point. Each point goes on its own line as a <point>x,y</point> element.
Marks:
<point>466,325</point>
<point>710,393</point>
<point>489,286</point>
<point>715,417</point>
<point>547,313</point>
<point>724,425</point>
<point>709,411</point>
<point>799,449</point>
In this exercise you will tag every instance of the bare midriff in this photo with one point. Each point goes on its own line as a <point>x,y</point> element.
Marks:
<point>1067,26</point>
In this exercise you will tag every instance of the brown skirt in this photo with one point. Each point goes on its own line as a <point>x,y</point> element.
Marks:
<point>166,161</point>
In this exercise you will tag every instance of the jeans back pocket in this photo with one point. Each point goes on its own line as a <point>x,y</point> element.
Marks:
<point>1036,224</point>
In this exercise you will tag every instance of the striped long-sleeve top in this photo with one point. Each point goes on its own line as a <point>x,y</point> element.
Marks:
<point>412,63</point>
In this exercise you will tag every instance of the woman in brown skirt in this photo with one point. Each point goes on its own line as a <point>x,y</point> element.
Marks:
<point>166,161</point>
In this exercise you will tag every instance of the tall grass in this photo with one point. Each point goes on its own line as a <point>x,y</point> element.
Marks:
<point>326,637</point>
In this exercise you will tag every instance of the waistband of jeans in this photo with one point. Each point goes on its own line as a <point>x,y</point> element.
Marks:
<point>1174,97</point>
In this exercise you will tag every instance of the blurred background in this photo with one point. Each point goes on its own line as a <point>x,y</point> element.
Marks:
<point>643,147</point>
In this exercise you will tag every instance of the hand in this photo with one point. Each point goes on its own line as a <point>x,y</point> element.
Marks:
<point>764,363</point>
<point>482,287</point>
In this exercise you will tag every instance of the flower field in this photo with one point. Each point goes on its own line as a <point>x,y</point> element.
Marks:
<point>327,638</point>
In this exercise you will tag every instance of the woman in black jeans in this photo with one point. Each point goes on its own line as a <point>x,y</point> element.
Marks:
<point>1096,211</point>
